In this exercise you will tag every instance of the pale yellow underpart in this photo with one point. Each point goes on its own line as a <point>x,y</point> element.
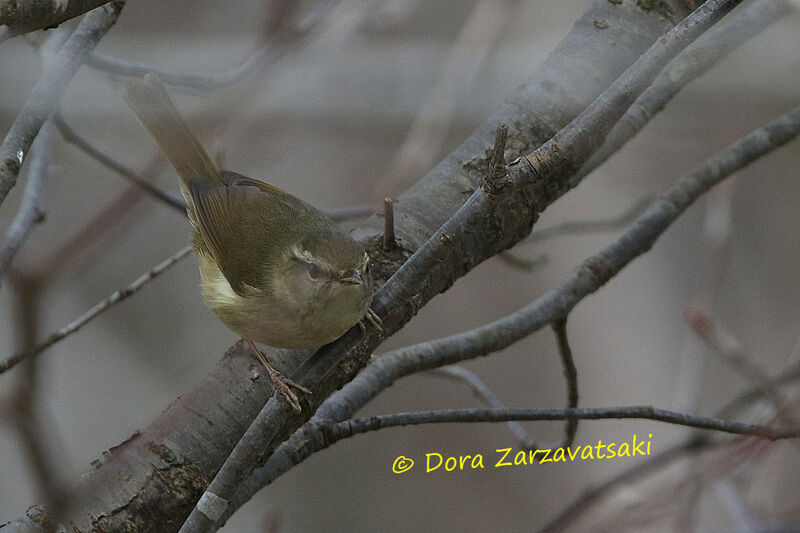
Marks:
<point>280,319</point>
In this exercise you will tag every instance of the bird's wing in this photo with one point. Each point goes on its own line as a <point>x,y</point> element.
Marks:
<point>242,229</point>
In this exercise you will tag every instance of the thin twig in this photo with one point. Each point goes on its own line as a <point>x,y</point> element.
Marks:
<point>31,209</point>
<point>95,311</point>
<point>522,264</point>
<point>692,444</point>
<point>339,430</point>
<point>580,227</point>
<point>729,349</point>
<point>697,59</point>
<point>90,148</point>
<point>388,224</point>
<point>45,95</point>
<point>487,397</point>
<point>570,374</point>
<point>349,213</point>
<point>256,61</point>
<point>100,224</point>
<point>497,179</point>
<point>582,137</point>
<point>461,66</point>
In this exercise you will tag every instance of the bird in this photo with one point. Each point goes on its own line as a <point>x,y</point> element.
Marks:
<point>273,268</point>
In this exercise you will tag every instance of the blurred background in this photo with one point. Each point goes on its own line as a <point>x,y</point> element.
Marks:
<point>341,105</point>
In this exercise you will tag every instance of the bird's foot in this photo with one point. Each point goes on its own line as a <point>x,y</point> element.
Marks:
<point>375,320</point>
<point>282,385</point>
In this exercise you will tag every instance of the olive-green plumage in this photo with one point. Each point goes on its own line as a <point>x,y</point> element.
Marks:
<point>273,268</point>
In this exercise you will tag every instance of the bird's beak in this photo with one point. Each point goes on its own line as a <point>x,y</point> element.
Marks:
<point>352,279</point>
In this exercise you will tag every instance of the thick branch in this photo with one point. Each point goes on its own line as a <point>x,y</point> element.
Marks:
<point>18,17</point>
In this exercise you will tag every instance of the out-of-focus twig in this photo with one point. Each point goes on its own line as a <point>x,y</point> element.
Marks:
<point>728,348</point>
<point>515,260</point>
<point>274,47</point>
<point>95,311</point>
<point>23,405</point>
<point>46,93</point>
<point>460,68</point>
<point>581,227</point>
<point>90,148</point>
<point>349,213</point>
<point>100,224</point>
<point>487,398</point>
<point>31,208</point>
<point>697,59</point>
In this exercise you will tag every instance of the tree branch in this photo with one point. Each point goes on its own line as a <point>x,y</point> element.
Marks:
<point>180,452</point>
<point>340,430</point>
<point>18,17</point>
<point>570,375</point>
<point>554,304</point>
<point>485,395</point>
<point>274,48</point>
<point>31,210</point>
<point>95,311</point>
<point>46,94</point>
<point>108,160</point>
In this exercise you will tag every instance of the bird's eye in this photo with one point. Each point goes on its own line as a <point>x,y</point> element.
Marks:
<point>314,271</point>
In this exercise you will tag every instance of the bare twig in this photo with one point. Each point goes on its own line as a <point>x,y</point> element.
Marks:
<point>31,209</point>
<point>273,49</point>
<point>691,445</point>
<point>697,59</point>
<point>523,264</point>
<point>25,415</point>
<point>349,213</point>
<point>497,178</point>
<point>487,397</point>
<point>388,224</point>
<point>580,138</point>
<point>579,227</point>
<point>92,313</point>
<point>100,224</point>
<point>723,344</point>
<point>463,62</point>
<point>338,430</point>
<point>73,137</point>
<point>45,95</point>
<point>570,374</point>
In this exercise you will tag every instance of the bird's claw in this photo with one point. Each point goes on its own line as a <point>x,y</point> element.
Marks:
<point>281,384</point>
<point>283,387</point>
<point>373,318</point>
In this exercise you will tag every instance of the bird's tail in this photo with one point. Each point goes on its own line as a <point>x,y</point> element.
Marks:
<point>151,102</point>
